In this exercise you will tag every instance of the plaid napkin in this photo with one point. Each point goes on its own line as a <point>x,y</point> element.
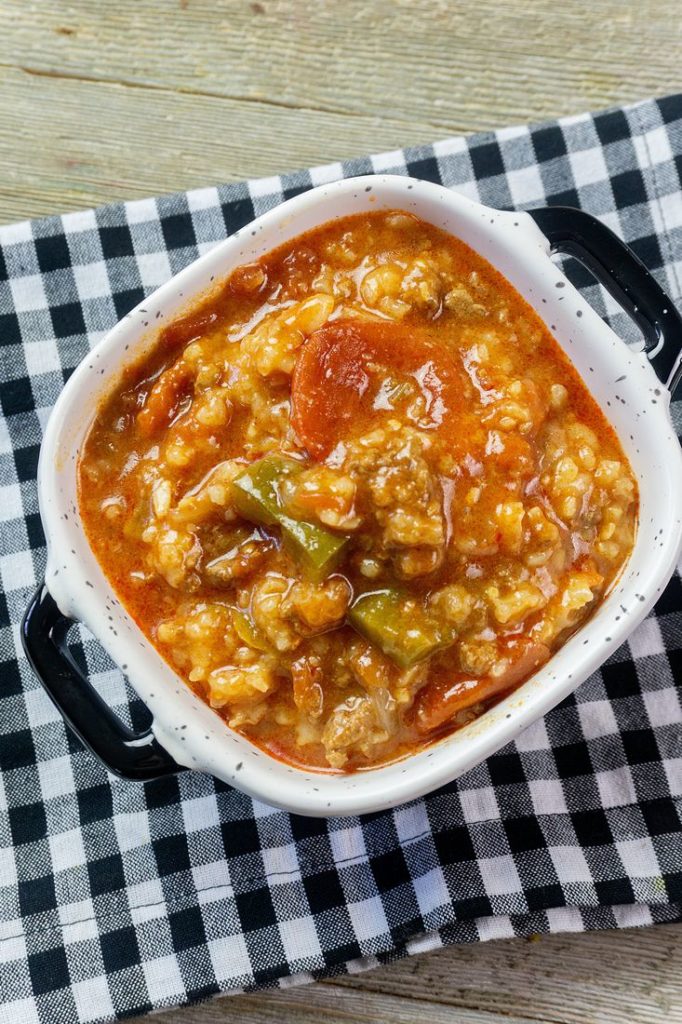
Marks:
<point>116,898</point>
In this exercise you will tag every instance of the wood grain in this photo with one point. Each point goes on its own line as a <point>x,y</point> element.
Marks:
<point>629,977</point>
<point>110,101</point>
<point>157,141</point>
<point>105,101</point>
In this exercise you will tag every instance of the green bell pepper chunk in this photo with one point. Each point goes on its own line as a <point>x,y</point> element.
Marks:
<point>256,496</point>
<point>248,632</point>
<point>400,627</point>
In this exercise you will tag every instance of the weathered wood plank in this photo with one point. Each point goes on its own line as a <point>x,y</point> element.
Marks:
<point>137,98</point>
<point>68,144</point>
<point>327,1004</point>
<point>629,977</point>
<point>454,64</point>
<point>601,978</point>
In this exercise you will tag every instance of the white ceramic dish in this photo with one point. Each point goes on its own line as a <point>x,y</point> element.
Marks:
<point>184,729</point>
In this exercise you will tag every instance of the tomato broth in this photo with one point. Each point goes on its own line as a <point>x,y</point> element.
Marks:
<point>358,495</point>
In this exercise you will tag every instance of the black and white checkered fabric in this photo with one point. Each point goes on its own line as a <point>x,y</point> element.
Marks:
<point>116,898</point>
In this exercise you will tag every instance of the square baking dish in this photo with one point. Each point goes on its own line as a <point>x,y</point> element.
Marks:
<point>631,388</point>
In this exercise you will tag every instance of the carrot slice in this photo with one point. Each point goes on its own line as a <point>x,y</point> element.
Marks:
<point>341,367</point>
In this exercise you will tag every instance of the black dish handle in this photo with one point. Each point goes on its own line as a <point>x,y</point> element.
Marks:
<point>137,756</point>
<point>622,273</point>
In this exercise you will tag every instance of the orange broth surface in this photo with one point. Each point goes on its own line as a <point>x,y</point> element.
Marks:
<point>358,495</point>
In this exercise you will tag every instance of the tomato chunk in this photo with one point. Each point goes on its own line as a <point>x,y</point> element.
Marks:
<point>164,398</point>
<point>444,697</point>
<point>337,383</point>
<point>182,331</point>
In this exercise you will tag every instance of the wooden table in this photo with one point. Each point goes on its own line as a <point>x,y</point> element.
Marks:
<point>110,101</point>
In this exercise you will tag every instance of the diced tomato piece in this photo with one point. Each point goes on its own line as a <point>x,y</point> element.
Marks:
<point>445,696</point>
<point>340,369</point>
<point>182,331</point>
<point>164,398</point>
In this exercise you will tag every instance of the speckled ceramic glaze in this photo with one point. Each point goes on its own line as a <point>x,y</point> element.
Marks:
<point>622,382</point>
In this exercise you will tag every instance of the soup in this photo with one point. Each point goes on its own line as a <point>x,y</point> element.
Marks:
<point>358,494</point>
